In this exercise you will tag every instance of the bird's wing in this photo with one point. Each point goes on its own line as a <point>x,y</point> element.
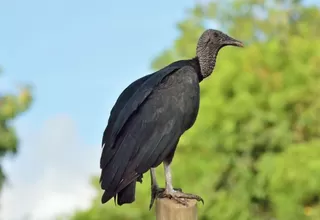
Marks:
<point>126,105</point>
<point>150,134</point>
<point>120,103</point>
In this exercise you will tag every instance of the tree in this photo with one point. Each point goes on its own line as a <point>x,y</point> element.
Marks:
<point>253,151</point>
<point>11,106</point>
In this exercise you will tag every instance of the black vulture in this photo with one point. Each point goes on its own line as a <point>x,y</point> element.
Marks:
<point>149,117</point>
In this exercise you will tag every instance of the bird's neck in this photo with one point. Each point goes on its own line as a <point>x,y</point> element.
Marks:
<point>196,65</point>
<point>207,62</point>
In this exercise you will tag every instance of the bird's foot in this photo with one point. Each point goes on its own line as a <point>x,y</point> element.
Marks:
<point>179,196</point>
<point>176,195</point>
<point>156,191</point>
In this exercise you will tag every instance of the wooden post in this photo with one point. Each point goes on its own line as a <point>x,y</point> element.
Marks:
<point>167,209</point>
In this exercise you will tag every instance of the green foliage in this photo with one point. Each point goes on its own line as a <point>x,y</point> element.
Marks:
<point>11,106</point>
<point>253,151</point>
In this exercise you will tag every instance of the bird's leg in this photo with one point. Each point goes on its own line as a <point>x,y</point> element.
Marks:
<point>172,193</point>
<point>155,189</point>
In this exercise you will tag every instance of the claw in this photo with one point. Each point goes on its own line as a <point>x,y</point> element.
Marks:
<point>179,196</point>
<point>190,196</point>
<point>156,193</point>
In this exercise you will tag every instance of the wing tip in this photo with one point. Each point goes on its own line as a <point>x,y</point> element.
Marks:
<point>107,196</point>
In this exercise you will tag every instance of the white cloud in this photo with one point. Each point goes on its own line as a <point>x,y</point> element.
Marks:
<point>51,174</point>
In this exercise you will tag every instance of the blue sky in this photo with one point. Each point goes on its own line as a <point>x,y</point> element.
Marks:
<point>78,55</point>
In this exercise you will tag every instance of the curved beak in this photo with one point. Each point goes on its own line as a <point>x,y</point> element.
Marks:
<point>233,42</point>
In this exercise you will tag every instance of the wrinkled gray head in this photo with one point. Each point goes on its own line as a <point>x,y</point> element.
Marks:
<point>209,44</point>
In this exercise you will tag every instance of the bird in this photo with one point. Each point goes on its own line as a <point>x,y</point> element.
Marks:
<point>148,119</point>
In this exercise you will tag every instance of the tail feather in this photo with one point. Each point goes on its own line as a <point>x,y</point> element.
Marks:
<point>127,195</point>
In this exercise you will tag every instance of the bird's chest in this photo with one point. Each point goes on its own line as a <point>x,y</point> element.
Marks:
<point>181,94</point>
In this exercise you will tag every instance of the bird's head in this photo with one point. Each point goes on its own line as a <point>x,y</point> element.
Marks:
<point>209,44</point>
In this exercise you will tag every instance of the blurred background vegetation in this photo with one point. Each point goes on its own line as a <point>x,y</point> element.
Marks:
<point>254,150</point>
<point>11,106</point>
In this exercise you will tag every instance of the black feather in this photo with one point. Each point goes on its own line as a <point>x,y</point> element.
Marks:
<point>127,195</point>
<point>160,107</point>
